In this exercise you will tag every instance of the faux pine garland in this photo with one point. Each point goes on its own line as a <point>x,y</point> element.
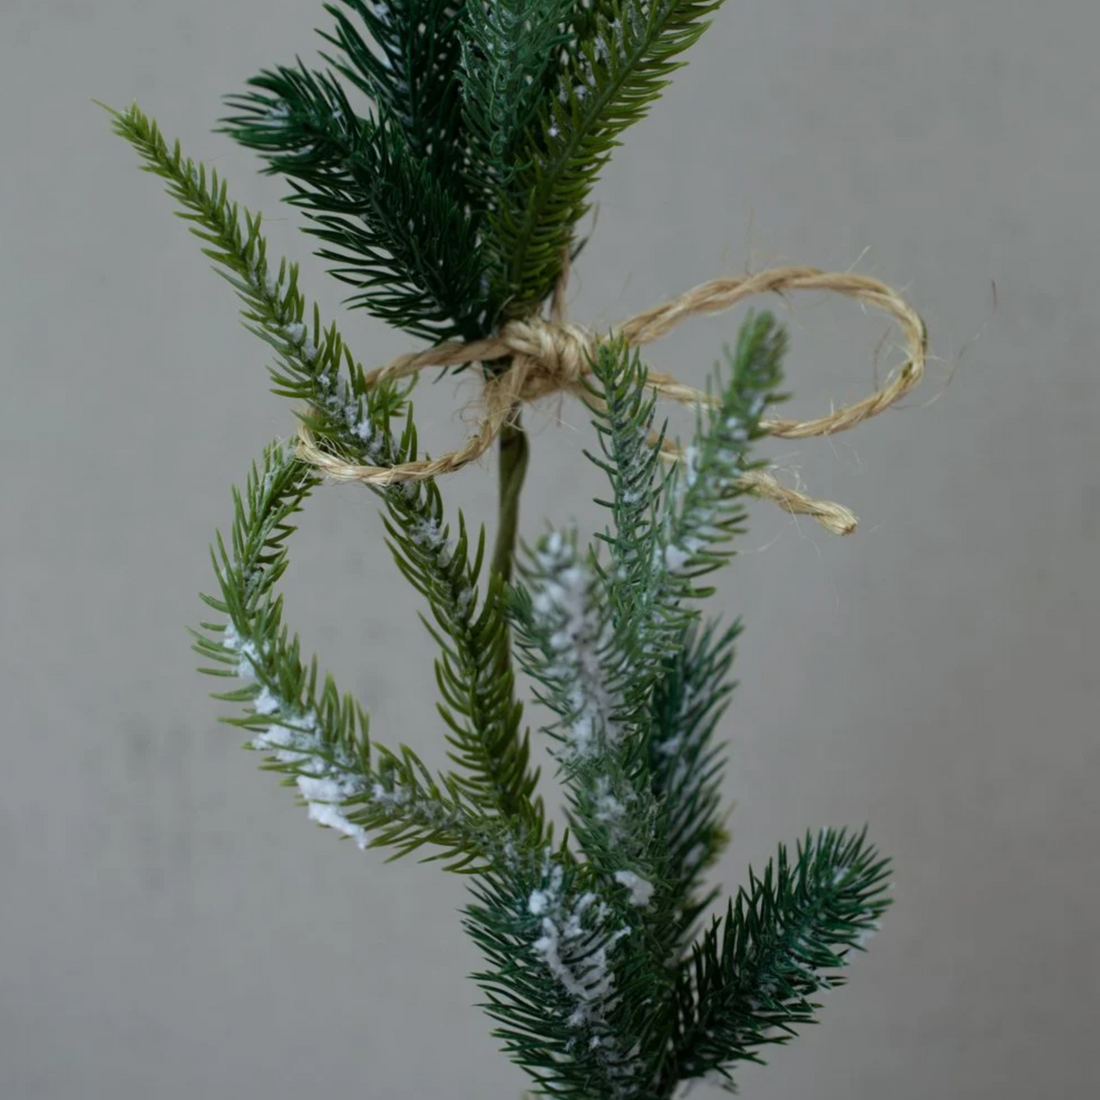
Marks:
<point>450,206</point>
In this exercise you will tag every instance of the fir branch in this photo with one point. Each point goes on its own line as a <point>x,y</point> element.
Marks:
<point>705,496</point>
<point>510,49</point>
<point>308,358</point>
<point>567,645</point>
<point>608,82</point>
<point>685,764</point>
<point>635,689</point>
<point>386,194</point>
<point>749,981</point>
<point>474,671</point>
<point>300,122</point>
<point>507,48</point>
<point>644,599</point>
<point>667,532</point>
<point>448,206</point>
<point>413,76</point>
<point>355,421</point>
<point>313,735</point>
<point>624,418</point>
<point>402,238</point>
<point>560,981</point>
<point>312,364</point>
<point>396,231</point>
<point>565,642</point>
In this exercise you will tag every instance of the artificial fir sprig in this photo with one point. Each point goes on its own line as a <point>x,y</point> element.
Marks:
<point>751,978</point>
<point>394,222</point>
<point>449,204</point>
<point>618,66</point>
<point>490,125</point>
<point>510,51</point>
<point>411,75</point>
<point>598,640</point>
<point>614,655</point>
<point>317,737</point>
<point>690,696</point>
<point>309,359</point>
<point>473,671</point>
<point>667,532</point>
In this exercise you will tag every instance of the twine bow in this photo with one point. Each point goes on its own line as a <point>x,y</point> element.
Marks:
<point>550,355</point>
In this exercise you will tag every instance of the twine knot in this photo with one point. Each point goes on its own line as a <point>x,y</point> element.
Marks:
<point>547,356</point>
<point>550,355</point>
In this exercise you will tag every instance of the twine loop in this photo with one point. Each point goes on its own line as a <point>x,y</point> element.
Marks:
<point>551,355</point>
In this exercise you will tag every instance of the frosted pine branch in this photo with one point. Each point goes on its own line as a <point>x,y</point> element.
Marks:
<point>311,733</point>
<point>448,207</point>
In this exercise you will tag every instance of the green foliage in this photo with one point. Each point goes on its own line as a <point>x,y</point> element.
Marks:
<point>559,977</point>
<point>411,75</point>
<point>395,229</point>
<point>670,531</point>
<point>447,205</point>
<point>511,53</point>
<point>636,687</point>
<point>618,65</point>
<point>358,423</point>
<point>308,357</point>
<point>474,673</point>
<point>510,50</point>
<point>751,977</point>
<point>685,765</point>
<point>311,733</point>
<point>705,502</point>
<point>490,124</point>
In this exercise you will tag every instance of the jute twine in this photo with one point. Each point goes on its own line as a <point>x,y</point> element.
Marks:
<point>551,355</point>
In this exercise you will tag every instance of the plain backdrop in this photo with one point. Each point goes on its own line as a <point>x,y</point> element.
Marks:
<point>172,927</point>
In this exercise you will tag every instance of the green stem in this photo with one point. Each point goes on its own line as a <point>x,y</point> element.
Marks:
<point>514,454</point>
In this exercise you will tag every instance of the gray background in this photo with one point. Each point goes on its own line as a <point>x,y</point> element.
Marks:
<point>170,924</point>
